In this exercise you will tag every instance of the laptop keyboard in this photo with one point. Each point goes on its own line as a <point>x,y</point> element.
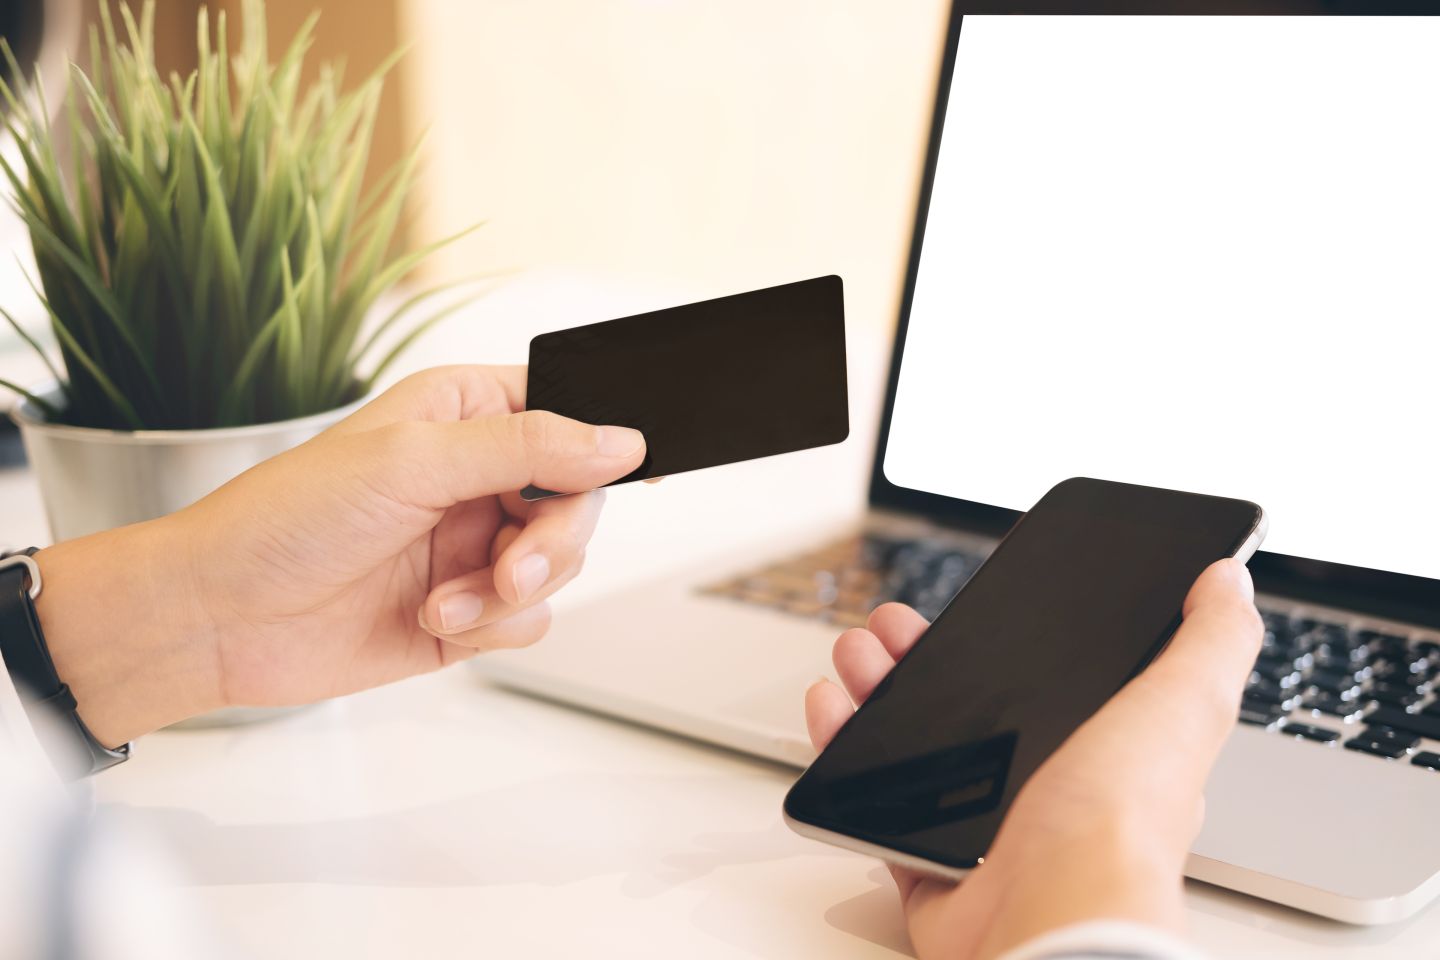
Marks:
<point>1319,680</point>
<point>843,581</point>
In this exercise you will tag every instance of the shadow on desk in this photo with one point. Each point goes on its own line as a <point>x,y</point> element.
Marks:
<point>494,838</point>
<point>474,841</point>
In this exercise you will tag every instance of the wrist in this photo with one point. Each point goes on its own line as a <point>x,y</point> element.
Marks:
<point>126,629</point>
<point>1113,872</point>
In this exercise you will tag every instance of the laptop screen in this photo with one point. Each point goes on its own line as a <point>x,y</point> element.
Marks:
<point>1191,252</point>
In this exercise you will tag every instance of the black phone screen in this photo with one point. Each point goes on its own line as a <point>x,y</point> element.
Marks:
<point>1081,594</point>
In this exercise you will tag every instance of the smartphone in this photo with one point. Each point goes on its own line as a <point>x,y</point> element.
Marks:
<point>1082,593</point>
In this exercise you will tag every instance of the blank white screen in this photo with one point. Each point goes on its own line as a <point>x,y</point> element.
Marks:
<point>1191,252</point>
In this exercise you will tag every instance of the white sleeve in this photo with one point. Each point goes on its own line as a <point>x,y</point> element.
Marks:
<point>75,884</point>
<point>21,755</point>
<point>1105,940</point>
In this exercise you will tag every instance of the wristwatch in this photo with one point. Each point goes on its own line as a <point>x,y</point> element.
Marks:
<point>47,701</point>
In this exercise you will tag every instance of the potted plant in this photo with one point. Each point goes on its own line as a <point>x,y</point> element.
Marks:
<point>208,261</point>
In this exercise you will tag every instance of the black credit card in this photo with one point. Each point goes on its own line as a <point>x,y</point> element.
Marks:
<point>735,378</point>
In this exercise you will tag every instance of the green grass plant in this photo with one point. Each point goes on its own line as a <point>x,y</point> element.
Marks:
<point>205,250</point>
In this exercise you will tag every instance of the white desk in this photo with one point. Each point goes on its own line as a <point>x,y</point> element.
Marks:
<point>442,818</point>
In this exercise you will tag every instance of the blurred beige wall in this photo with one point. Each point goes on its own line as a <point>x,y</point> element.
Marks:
<point>714,146</point>
<point>722,145</point>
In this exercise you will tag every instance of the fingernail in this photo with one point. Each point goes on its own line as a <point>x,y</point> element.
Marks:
<point>460,610</point>
<point>618,441</point>
<point>530,573</point>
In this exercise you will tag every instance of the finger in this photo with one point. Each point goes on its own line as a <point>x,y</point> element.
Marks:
<point>504,538</point>
<point>552,541</point>
<point>1224,580</point>
<point>437,465</point>
<point>521,629</point>
<point>652,479</point>
<point>470,601</point>
<point>462,539</point>
<point>1212,653</point>
<point>826,710</point>
<point>907,882</point>
<point>862,662</point>
<point>1174,718</point>
<point>1221,622</point>
<point>459,392</point>
<point>517,506</point>
<point>897,626</point>
<point>942,923</point>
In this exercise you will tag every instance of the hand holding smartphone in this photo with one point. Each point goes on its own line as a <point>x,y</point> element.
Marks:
<point>1082,594</point>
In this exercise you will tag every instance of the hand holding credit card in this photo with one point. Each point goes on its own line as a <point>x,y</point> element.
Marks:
<point>720,381</point>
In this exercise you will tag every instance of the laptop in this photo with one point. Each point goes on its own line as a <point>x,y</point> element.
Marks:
<point>1198,252</point>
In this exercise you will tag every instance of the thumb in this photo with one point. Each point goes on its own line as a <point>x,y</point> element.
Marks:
<point>1220,636</point>
<point>1180,710</point>
<point>451,462</point>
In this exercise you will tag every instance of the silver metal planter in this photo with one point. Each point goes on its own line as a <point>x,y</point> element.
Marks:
<point>93,480</point>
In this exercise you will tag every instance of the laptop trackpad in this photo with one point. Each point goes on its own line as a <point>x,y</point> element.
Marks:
<point>1273,805</point>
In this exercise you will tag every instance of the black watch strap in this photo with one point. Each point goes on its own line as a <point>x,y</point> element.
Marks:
<point>48,702</point>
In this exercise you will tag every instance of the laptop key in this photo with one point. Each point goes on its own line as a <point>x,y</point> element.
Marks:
<point>1278,622</point>
<point>1275,645</point>
<point>1279,638</point>
<point>1389,651</point>
<point>1391,736</point>
<point>1398,672</point>
<point>1421,724</point>
<point>1260,714</point>
<point>1427,759</point>
<point>803,607</point>
<point>1329,703</point>
<point>1330,632</point>
<point>877,552</point>
<point>1339,645</point>
<point>1397,694</point>
<point>1407,658</point>
<point>1342,685</point>
<point>1318,734</point>
<point>1355,654</point>
<point>1382,640</point>
<point>1295,657</point>
<point>1282,672</point>
<point>1377,747</point>
<point>847,618</point>
<point>1268,691</point>
<point>1339,663</point>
